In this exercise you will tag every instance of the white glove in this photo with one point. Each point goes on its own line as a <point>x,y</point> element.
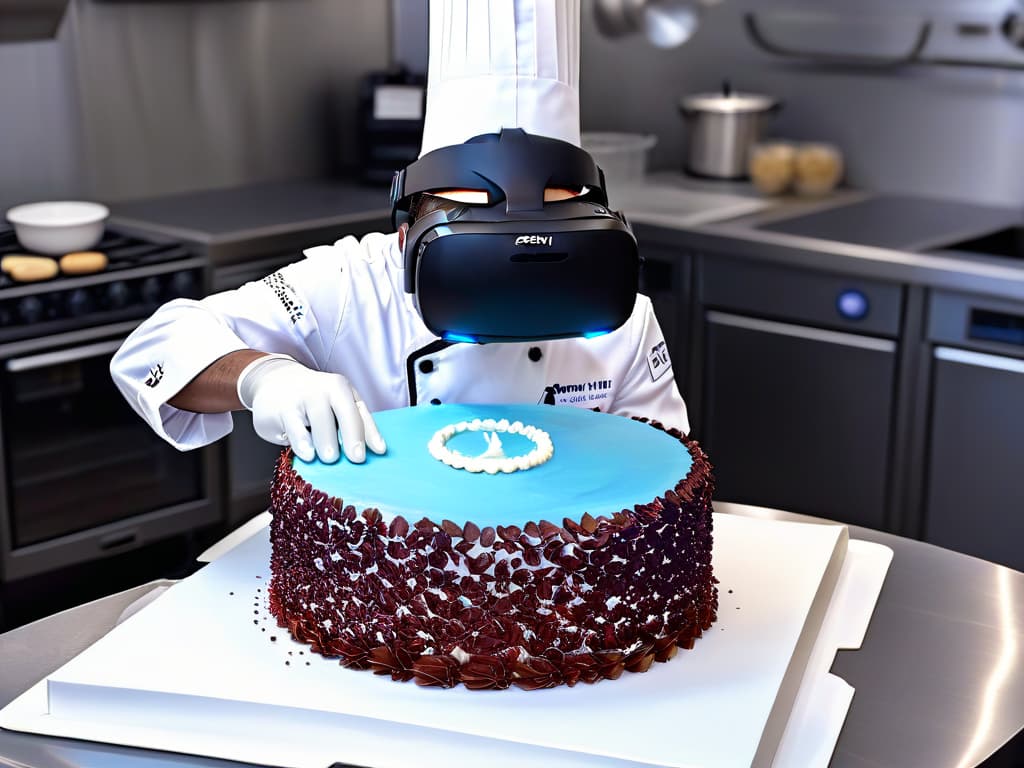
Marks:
<point>286,398</point>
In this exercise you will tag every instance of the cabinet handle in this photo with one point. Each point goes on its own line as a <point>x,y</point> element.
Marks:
<point>115,540</point>
<point>802,332</point>
<point>100,349</point>
<point>978,360</point>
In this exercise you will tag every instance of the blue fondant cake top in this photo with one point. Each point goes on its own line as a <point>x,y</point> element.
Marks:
<point>601,465</point>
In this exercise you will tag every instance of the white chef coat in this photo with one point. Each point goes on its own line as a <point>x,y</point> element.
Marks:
<point>344,309</point>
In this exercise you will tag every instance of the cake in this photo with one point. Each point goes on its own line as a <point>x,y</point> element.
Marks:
<point>594,560</point>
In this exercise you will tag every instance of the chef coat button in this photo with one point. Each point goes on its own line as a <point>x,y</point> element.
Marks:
<point>435,401</point>
<point>426,366</point>
<point>535,354</point>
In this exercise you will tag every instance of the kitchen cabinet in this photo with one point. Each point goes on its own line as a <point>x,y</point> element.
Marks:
<point>974,497</point>
<point>795,382</point>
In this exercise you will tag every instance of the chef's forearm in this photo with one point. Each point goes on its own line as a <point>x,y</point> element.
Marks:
<point>215,390</point>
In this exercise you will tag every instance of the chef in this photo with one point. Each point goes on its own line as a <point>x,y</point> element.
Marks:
<point>315,348</point>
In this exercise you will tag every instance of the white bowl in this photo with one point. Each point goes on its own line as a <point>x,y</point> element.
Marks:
<point>622,157</point>
<point>57,228</point>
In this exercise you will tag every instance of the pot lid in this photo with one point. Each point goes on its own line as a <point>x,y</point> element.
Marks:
<point>728,101</point>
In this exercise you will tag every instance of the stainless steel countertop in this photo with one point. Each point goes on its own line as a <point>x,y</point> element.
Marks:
<point>236,225</point>
<point>939,680</point>
<point>918,259</point>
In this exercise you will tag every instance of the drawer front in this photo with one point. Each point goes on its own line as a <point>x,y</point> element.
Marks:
<point>985,324</point>
<point>798,418</point>
<point>975,499</point>
<point>826,300</point>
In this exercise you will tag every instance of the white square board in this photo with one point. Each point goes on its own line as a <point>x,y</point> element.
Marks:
<point>193,673</point>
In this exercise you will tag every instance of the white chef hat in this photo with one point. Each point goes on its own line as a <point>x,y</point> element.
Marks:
<point>502,64</point>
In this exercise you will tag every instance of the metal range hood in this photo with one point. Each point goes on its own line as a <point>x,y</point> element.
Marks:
<point>22,20</point>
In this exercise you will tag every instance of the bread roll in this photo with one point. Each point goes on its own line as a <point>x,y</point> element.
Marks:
<point>29,269</point>
<point>819,168</point>
<point>8,262</point>
<point>772,167</point>
<point>83,263</point>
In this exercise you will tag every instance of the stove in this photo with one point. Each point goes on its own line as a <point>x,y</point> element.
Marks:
<point>82,477</point>
<point>140,276</point>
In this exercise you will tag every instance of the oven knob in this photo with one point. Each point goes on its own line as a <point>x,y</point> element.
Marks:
<point>150,291</point>
<point>117,295</point>
<point>31,309</point>
<point>79,303</point>
<point>183,284</point>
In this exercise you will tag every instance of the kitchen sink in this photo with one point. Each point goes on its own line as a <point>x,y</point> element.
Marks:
<point>900,222</point>
<point>1008,243</point>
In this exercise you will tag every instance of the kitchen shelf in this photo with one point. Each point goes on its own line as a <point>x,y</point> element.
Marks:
<point>915,54</point>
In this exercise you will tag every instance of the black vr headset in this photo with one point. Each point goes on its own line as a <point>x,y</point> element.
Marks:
<point>515,269</point>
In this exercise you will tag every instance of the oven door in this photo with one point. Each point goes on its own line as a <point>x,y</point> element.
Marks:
<point>84,476</point>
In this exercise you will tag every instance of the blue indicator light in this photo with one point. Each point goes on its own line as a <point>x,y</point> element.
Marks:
<point>852,305</point>
<point>460,337</point>
<point>594,334</point>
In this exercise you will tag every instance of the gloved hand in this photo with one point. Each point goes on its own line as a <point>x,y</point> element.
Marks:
<point>286,397</point>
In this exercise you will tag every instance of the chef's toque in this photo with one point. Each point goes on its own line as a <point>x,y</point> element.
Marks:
<point>497,64</point>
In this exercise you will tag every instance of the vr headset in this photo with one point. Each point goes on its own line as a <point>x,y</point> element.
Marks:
<point>515,268</point>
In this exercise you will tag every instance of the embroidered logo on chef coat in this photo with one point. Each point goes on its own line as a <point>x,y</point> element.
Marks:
<point>156,375</point>
<point>588,393</point>
<point>658,361</point>
<point>286,295</point>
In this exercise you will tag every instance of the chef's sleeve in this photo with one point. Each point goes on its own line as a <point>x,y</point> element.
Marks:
<point>182,338</point>
<point>649,387</point>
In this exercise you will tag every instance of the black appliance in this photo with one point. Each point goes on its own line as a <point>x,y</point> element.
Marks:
<point>392,106</point>
<point>81,476</point>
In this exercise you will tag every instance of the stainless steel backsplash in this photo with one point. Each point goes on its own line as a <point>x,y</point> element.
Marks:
<point>933,131</point>
<point>141,99</point>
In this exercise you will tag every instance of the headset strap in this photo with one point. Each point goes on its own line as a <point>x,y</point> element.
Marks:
<point>516,167</point>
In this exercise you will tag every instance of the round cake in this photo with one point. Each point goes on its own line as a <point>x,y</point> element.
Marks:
<point>498,546</point>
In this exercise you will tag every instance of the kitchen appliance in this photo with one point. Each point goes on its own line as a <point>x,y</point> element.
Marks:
<point>392,106</point>
<point>722,128</point>
<point>81,476</point>
<point>56,228</point>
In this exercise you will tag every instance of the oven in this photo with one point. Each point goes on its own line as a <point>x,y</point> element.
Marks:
<point>82,476</point>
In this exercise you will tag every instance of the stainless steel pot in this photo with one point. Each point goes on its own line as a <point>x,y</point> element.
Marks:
<point>722,128</point>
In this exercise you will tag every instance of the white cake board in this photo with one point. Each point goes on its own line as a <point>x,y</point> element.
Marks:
<point>192,673</point>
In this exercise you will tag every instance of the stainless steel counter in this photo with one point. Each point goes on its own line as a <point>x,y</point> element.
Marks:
<point>939,679</point>
<point>241,224</point>
<point>907,248</point>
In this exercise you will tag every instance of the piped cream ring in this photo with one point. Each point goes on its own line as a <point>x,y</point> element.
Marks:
<point>542,451</point>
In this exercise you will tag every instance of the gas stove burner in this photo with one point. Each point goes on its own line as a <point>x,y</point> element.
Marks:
<point>122,251</point>
<point>138,278</point>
